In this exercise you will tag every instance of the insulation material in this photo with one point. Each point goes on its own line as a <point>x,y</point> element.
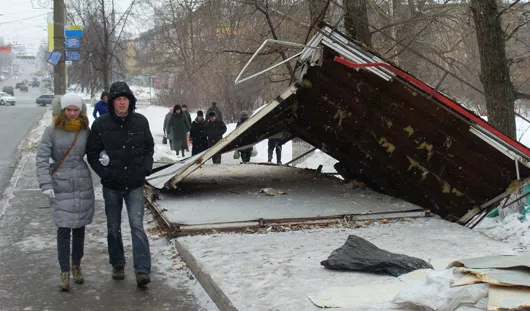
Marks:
<point>502,277</point>
<point>499,261</point>
<point>351,296</point>
<point>508,298</point>
<point>467,279</point>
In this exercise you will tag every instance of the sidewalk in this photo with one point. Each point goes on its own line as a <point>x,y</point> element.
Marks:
<point>30,273</point>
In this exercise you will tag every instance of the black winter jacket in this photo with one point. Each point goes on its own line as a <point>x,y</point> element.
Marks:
<point>197,134</point>
<point>130,146</point>
<point>214,131</point>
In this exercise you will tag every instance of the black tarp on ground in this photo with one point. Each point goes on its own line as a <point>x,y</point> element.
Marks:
<point>357,254</point>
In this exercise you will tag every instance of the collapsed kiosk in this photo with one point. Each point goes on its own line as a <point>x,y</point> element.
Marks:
<point>416,147</point>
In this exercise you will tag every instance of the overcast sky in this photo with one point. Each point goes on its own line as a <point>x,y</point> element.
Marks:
<point>22,22</point>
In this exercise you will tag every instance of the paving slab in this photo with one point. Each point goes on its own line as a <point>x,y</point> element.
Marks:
<point>276,271</point>
<point>223,193</point>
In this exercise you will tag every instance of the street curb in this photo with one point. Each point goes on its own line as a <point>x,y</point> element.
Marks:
<point>18,164</point>
<point>210,286</point>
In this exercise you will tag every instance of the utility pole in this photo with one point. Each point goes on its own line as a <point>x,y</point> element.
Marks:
<point>59,71</point>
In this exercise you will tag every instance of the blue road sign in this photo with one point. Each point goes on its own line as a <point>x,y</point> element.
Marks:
<point>73,33</point>
<point>55,57</point>
<point>71,43</point>
<point>72,55</point>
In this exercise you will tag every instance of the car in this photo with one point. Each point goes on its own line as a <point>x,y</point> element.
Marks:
<point>35,84</point>
<point>19,84</point>
<point>9,90</point>
<point>24,88</point>
<point>7,99</point>
<point>44,100</point>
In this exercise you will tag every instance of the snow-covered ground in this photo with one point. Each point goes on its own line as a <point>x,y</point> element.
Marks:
<point>277,271</point>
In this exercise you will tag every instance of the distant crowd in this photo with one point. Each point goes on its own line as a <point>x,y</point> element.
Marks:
<point>202,133</point>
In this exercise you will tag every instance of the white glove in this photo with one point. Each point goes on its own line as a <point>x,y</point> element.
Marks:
<point>50,193</point>
<point>104,158</point>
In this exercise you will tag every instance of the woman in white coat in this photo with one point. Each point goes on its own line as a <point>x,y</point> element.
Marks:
<point>67,182</point>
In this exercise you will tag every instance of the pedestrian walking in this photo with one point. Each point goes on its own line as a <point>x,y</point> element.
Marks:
<point>245,153</point>
<point>214,108</point>
<point>275,144</point>
<point>179,127</point>
<point>68,183</point>
<point>120,150</point>
<point>198,136</point>
<point>214,130</point>
<point>188,116</point>
<point>167,134</point>
<point>102,106</point>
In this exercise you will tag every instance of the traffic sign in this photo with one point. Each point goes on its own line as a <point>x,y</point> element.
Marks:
<point>71,43</point>
<point>72,55</point>
<point>73,33</point>
<point>55,57</point>
<point>75,27</point>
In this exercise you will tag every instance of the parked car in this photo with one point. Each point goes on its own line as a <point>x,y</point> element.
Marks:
<point>7,99</point>
<point>9,90</point>
<point>44,100</point>
<point>24,88</point>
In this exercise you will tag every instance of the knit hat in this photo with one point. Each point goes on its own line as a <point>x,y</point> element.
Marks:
<point>185,106</point>
<point>71,99</point>
<point>211,114</point>
<point>200,113</point>
<point>103,94</point>
<point>177,107</point>
<point>121,88</point>
<point>171,109</point>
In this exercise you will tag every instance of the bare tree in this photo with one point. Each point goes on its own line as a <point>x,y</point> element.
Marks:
<point>356,20</point>
<point>495,73</point>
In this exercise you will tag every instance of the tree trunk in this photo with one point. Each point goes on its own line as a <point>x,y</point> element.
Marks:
<point>356,21</point>
<point>495,73</point>
<point>317,10</point>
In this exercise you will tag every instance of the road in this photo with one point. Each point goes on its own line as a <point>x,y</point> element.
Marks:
<point>16,121</point>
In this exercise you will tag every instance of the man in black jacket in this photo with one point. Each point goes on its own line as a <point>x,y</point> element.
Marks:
<point>214,130</point>
<point>120,150</point>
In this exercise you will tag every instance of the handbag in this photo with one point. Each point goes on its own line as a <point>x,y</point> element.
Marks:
<point>65,154</point>
<point>236,155</point>
<point>164,140</point>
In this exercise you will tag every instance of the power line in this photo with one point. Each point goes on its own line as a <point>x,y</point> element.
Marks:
<point>23,19</point>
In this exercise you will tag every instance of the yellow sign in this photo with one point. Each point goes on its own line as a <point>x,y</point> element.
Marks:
<point>75,27</point>
<point>50,32</point>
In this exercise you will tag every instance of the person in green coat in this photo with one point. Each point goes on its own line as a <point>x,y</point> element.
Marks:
<point>178,128</point>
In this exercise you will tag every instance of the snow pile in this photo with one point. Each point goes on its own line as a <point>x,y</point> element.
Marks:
<point>32,139</point>
<point>513,230</point>
<point>319,158</point>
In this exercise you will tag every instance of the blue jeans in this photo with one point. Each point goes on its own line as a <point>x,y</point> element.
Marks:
<point>134,201</point>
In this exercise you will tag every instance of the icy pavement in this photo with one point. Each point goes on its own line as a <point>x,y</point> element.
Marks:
<point>276,271</point>
<point>30,272</point>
